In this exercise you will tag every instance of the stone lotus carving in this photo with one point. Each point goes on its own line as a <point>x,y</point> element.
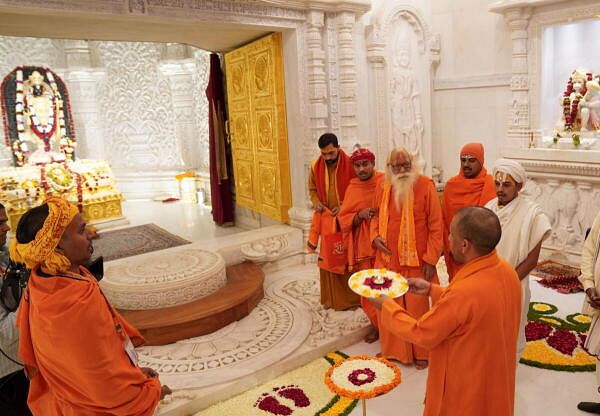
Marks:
<point>266,250</point>
<point>164,279</point>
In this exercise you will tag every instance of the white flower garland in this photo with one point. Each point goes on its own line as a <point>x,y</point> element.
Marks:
<point>341,375</point>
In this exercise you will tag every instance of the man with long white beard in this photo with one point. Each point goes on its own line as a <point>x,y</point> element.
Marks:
<point>407,232</point>
<point>524,228</point>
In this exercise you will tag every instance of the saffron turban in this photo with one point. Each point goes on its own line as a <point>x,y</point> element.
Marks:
<point>362,153</point>
<point>511,167</point>
<point>42,249</point>
<point>475,150</point>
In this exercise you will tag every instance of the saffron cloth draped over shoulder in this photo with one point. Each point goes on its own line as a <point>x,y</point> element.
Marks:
<point>343,174</point>
<point>42,249</point>
<point>73,344</point>
<point>460,192</point>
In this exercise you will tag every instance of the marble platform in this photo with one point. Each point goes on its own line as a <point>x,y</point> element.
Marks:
<point>287,329</point>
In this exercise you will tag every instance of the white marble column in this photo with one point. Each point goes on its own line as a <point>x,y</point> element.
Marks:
<point>347,78</point>
<point>317,81</point>
<point>376,58</point>
<point>518,123</point>
<point>178,68</point>
<point>82,81</point>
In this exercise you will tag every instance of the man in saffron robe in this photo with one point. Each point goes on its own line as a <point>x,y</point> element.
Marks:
<point>471,329</point>
<point>473,186</point>
<point>407,232</point>
<point>329,177</point>
<point>77,350</point>
<point>355,220</point>
<point>524,228</point>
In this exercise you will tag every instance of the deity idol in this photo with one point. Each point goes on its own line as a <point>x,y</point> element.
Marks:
<point>40,121</point>
<point>581,103</point>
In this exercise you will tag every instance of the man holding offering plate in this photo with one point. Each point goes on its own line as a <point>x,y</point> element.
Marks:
<point>471,330</point>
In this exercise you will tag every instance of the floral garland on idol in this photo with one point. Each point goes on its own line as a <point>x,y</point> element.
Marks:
<point>554,343</point>
<point>43,131</point>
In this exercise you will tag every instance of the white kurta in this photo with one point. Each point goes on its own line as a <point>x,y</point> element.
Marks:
<point>524,226</point>
<point>590,278</point>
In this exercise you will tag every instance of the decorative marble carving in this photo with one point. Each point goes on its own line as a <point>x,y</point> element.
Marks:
<point>274,329</point>
<point>83,81</point>
<point>269,249</point>
<point>317,81</point>
<point>180,76</point>
<point>327,324</point>
<point>406,116</point>
<point>141,122</point>
<point>570,205</point>
<point>402,83</point>
<point>162,279</point>
<point>347,77</point>
<point>199,146</point>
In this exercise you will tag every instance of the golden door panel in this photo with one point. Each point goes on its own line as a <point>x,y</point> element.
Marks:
<point>241,133</point>
<point>268,184</point>
<point>256,106</point>
<point>244,183</point>
<point>261,65</point>
<point>264,125</point>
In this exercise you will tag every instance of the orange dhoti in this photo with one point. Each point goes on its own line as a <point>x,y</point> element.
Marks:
<point>335,292</point>
<point>427,222</point>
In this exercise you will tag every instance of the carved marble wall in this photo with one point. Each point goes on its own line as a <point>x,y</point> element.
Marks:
<point>402,52</point>
<point>140,106</point>
<point>566,182</point>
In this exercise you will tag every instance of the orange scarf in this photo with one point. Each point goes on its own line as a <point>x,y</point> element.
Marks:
<point>407,244</point>
<point>344,172</point>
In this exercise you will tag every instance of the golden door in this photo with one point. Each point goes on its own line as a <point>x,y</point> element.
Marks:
<point>257,126</point>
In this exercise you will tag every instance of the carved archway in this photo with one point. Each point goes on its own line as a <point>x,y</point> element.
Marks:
<point>402,90</point>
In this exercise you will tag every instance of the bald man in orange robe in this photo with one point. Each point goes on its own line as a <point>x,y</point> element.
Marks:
<point>407,233</point>
<point>471,329</point>
<point>355,220</point>
<point>473,186</point>
<point>329,177</point>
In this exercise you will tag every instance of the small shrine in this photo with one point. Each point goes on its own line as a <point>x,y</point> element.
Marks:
<point>38,128</point>
<point>579,124</point>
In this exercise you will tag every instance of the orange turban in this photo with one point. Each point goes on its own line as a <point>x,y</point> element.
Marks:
<point>42,249</point>
<point>473,149</point>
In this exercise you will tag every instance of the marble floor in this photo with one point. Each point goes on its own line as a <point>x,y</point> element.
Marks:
<point>188,220</point>
<point>538,391</point>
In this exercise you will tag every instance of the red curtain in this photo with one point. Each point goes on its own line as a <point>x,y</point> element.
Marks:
<point>219,150</point>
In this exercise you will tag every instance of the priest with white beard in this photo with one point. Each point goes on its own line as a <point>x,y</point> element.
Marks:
<point>524,228</point>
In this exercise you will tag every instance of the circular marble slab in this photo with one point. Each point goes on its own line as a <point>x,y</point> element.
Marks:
<point>163,279</point>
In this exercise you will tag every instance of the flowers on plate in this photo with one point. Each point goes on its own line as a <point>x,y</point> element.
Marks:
<point>372,283</point>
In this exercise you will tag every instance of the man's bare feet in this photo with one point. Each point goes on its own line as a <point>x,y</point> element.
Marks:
<point>372,336</point>
<point>390,359</point>
<point>421,364</point>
